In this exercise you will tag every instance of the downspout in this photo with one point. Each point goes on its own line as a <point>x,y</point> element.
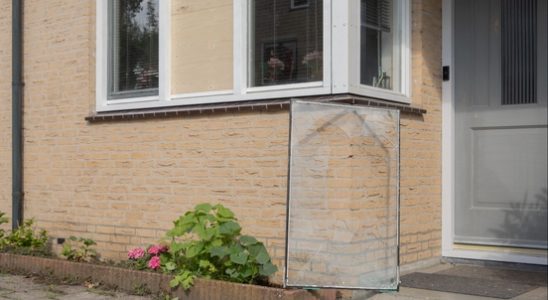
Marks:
<point>17,112</point>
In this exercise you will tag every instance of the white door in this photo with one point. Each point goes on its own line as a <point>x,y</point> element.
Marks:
<point>500,122</point>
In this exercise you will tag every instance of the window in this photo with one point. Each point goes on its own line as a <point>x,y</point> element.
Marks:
<point>133,48</point>
<point>384,49</point>
<point>519,52</point>
<point>153,53</point>
<point>287,45</point>
<point>377,44</point>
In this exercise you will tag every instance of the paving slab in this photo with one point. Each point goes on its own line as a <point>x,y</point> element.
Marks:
<point>17,287</point>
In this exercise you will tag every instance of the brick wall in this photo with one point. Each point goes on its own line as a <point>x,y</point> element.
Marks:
<point>122,183</point>
<point>5,107</point>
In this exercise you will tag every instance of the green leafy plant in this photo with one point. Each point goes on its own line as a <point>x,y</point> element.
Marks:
<point>3,220</point>
<point>79,249</point>
<point>26,240</point>
<point>206,242</point>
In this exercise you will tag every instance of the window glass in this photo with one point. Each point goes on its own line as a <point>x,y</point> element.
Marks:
<point>379,60</point>
<point>286,43</point>
<point>133,48</point>
<point>201,46</point>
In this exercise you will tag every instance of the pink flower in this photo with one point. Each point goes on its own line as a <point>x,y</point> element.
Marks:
<point>154,262</point>
<point>156,249</point>
<point>136,253</point>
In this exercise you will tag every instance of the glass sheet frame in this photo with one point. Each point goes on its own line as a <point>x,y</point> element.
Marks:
<point>324,254</point>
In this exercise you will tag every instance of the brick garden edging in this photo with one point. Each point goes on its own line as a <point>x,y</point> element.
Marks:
<point>130,280</point>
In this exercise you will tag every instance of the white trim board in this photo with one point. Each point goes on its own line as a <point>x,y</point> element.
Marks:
<point>449,248</point>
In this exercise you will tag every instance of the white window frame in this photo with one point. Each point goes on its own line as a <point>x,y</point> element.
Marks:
<point>339,68</point>
<point>346,52</point>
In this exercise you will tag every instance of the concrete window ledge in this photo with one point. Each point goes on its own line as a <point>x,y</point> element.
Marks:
<point>244,106</point>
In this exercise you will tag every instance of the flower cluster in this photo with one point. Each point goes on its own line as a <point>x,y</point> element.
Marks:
<point>136,253</point>
<point>149,258</point>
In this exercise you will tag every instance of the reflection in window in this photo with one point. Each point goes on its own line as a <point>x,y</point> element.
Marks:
<point>133,48</point>
<point>286,44</point>
<point>378,65</point>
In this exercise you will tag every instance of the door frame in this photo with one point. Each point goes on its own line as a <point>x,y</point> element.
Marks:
<point>449,248</point>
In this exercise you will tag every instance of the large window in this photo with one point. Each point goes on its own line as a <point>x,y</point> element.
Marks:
<point>158,53</point>
<point>133,48</point>
<point>286,43</point>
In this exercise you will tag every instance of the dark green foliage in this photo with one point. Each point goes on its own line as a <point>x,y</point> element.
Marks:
<point>207,243</point>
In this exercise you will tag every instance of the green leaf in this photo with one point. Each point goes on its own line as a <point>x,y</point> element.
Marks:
<point>248,272</point>
<point>217,243</point>
<point>268,269</point>
<point>262,258</point>
<point>177,247</point>
<point>256,249</point>
<point>176,231</point>
<point>174,282</point>
<point>204,207</point>
<point>247,240</point>
<point>209,233</point>
<point>194,249</point>
<point>170,266</point>
<point>200,230</point>
<point>239,258</point>
<point>235,249</point>
<point>230,228</point>
<point>224,212</point>
<point>220,252</point>
<point>188,281</point>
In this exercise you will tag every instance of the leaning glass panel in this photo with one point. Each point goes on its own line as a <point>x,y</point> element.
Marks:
<point>343,196</point>
<point>133,48</point>
<point>380,44</point>
<point>201,46</point>
<point>286,42</point>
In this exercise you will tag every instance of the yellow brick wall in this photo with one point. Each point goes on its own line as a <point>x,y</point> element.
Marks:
<point>5,107</point>
<point>420,181</point>
<point>122,183</point>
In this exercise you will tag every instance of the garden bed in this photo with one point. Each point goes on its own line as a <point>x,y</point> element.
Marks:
<point>156,283</point>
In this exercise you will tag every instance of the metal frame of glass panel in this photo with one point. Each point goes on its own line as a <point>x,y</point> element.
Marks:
<point>395,213</point>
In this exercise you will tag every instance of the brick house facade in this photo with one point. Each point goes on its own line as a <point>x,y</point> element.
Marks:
<point>122,182</point>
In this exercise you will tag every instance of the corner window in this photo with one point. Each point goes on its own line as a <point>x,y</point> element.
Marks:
<point>133,48</point>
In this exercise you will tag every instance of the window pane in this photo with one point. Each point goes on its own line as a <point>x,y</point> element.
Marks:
<point>201,46</point>
<point>518,41</point>
<point>133,48</point>
<point>379,60</point>
<point>286,43</point>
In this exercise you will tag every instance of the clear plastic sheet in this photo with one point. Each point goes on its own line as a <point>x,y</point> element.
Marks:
<point>343,213</point>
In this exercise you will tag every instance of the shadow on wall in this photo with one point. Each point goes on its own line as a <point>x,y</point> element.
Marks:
<point>525,218</point>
